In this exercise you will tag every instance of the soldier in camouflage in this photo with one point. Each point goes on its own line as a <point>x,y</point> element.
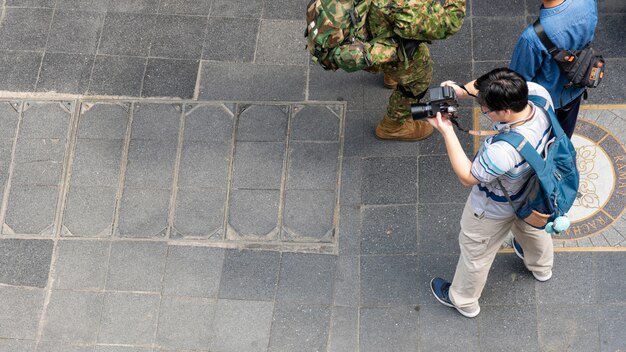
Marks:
<point>410,23</point>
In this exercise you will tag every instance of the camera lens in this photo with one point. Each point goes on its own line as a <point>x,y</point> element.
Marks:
<point>421,111</point>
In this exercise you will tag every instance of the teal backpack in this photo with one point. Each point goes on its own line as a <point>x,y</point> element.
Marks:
<point>555,184</point>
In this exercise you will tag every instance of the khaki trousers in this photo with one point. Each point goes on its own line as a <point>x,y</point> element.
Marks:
<point>480,238</point>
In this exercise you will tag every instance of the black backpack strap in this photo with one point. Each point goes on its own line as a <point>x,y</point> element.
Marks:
<point>544,38</point>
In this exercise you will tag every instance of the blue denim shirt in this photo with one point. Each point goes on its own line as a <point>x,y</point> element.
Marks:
<point>570,25</point>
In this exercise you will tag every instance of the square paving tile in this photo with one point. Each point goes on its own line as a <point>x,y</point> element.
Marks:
<point>262,123</point>
<point>306,278</point>
<point>390,181</point>
<point>150,163</point>
<point>156,121</point>
<point>103,121</point>
<point>347,282</point>
<point>611,319</point>
<point>25,28</point>
<point>136,266</point>
<point>250,275</point>
<point>81,265</point>
<point>89,211</point>
<point>258,165</point>
<point>350,222</point>
<point>520,319</point>
<point>254,212</point>
<point>291,86</point>
<point>65,73</point>
<point>430,266</point>
<point>351,180</point>
<point>209,122</point>
<point>573,281</point>
<point>230,39</point>
<point>438,228</point>
<point>237,8</point>
<point>191,7</point>
<point>185,323</point>
<point>25,262</point>
<point>75,32</point>
<point>59,346</point>
<point>389,280</point>
<point>116,75</point>
<point>38,161</point>
<point>509,282</point>
<point>299,327</point>
<point>242,326</point>
<point>179,37</point>
<point>129,318</point>
<point>435,171</point>
<point>568,328</point>
<point>388,329</point>
<point>312,166</point>
<point>143,213</point>
<point>284,9</point>
<point>97,162</point>
<point>226,80</point>
<point>19,70</point>
<point>344,330</point>
<point>73,316</point>
<point>92,5</point>
<point>280,42</point>
<point>438,323</point>
<point>170,78</point>
<point>127,34</point>
<point>17,345</point>
<point>496,47</point>
<point>389,230</point>
<point>316,123</point>
<point>22,319</point>
<point>31,210</point>
<point>199,212</point>
<point>609,289</point>
<point>193,271</point>
<point>309,214</point>
<point>141,6</point>
<point>206,164</point>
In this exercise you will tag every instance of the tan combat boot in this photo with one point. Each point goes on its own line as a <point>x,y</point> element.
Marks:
<point>409,131</point>
<point>389,82</point>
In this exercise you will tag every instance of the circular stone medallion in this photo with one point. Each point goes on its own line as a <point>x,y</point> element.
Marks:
<point>601,160</point>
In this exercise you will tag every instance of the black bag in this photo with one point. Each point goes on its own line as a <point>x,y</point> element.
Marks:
<point>584,68</point>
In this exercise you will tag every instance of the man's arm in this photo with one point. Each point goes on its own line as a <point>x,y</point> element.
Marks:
<point>429,19</point>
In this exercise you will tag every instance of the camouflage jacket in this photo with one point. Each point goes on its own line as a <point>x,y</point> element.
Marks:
<point>415,19</point>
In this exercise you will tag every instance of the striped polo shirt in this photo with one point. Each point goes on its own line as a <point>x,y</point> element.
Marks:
<point>501,160</point>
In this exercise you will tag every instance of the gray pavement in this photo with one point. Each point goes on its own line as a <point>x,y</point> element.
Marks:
<point>176,176</point>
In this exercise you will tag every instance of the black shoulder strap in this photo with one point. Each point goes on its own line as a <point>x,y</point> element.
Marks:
<point>544,38</point>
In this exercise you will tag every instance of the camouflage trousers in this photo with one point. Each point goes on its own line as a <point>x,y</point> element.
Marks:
<point>415,76</point>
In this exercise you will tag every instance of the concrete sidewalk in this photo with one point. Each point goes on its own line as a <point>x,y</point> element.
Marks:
<point>175,176</point>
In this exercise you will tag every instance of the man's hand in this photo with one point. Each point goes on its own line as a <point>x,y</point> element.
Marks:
<point>442,124</point>
<point>460,92</point>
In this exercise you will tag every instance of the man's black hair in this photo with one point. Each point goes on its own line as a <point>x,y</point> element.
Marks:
<point>502,89</point>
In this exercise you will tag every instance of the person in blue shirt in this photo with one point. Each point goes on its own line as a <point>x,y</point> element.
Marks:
<point>569,24</point>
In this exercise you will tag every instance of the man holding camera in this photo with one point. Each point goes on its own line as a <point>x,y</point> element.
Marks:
<point>488,217</point>
<point>410,23</point>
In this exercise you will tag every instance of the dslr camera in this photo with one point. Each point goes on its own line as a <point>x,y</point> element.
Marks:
<point>442,99</point>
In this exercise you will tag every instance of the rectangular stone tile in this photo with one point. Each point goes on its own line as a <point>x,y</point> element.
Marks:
<point>150,163</point>
<point>347,282</point>
<point>299,327</point>
<point>438,228</point>
<point>81,265</point>
<point>134,6</point>
<point>241,326</point>
<point>193,271</point>
<point>185,323</point>
<point>430,266</point>
<point>446,51</point>
<point>116,75</point>
<point>253,213</point>
<point>225,80</point>
<point>351,180</point>
<point>375,94</point>
<point>19,70</point>
<point>509,283</point>
<point>611,320</point>
<point>206,164</point>
<point>97,162</point>
<point>127,34</point>
<point>437,181</point>
<point>191,7</point>
<point>496,47</point>
<point>335,86</point>
<point>250,275</point>
<point>278,83</point>
<point>75,32</point>
<point>89,211</point>
<point>179,37</point>
<point>73,316</point>
<point>17,345</point>
<point>109,348</point>
<point>572,282</point>
<point>344,330</point>
<point>230,39</point>
<point>45,120</point>
<point>211,122</point>
<point>608,39</point>
<point>156,121</point>
<point>31,210</point>
<point>610,289</point>
<point>143,213</point>
<point>38,161</point>
<point>312,166</point>
<point>437,324</point>
<point>316,123</point>
<point>350,230</point>
<point>9,117</point>
<point>280,42</point>
<point>65,73</point>
<point>389,280</point>
<point>199,212</point>
<point>390,181</point>
<point>373,147</point>
<point>389,230</point>
<point>388,329</point>
<point>568,328</point>
<point>136,266</point>
<point>129,318</point>
<point>353,134</point>
<point>614,90</point>
<point>236,9</point>
<point>6,146</point>
<point>22,319</point>
<point>58,346</point>
<point>306,278</point>
<point>309,214</point>
<point>170,78</point>
<point>25,28</point>
<point>90,5</point>
<point>505,10</point>
<point>284,9</point>
<point>258,165</point>
<point>521,319</point>
<point>262,123</point>
<point>103,121</point>
<point>32,3</point>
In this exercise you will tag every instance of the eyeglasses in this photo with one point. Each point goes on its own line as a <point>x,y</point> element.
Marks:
<point>486,113</point>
